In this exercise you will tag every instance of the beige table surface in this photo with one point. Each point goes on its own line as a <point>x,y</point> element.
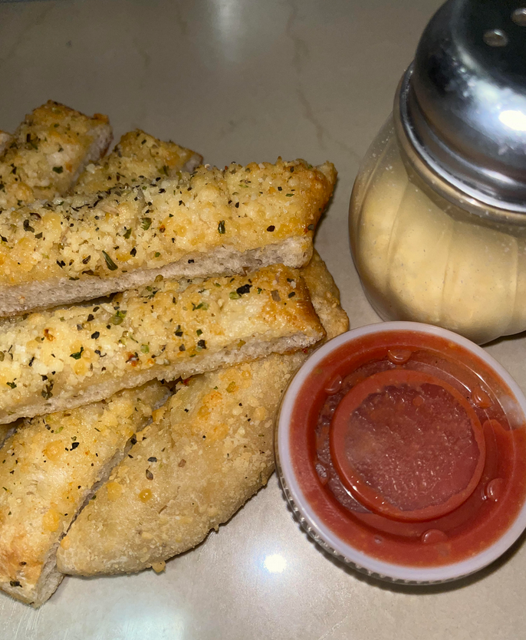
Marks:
<point>246,80</point>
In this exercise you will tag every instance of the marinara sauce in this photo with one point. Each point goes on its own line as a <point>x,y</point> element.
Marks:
<point>409,448</point>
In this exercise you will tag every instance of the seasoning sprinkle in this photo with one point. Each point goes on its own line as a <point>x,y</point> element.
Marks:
<point>244,289</point>
<point>111,265</point>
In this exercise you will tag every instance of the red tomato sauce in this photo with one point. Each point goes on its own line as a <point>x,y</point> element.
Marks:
<point>410,449</point>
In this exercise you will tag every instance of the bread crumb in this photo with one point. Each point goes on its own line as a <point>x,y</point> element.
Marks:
<point>158,567</point>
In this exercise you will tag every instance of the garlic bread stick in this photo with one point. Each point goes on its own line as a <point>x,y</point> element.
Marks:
<point>53,360</point>
<point>208,451</point>
<point>48,468</point>
<point>205,223</point>
<point>48,152</point>
<point>138,157</point>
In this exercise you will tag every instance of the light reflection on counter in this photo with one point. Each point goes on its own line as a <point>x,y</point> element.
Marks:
<point>229,26</point>
<point>275,563</point>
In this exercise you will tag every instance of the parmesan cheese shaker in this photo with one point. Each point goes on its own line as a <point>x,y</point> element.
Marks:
<point>438,211</point>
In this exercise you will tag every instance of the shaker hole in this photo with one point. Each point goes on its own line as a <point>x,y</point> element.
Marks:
<point>495,38</point>
<point>519,16</point>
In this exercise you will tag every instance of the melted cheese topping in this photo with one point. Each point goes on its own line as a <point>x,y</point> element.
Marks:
<point>60,352</point>
<point>150,226</point>
<point>48,468</point>
<point>46,153</point>
<point>137,158</point>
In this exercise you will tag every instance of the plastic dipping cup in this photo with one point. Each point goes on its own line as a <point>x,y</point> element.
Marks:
<point>401,448</point>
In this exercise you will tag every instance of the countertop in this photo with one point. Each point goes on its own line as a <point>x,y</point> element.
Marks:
<point>246,80</point>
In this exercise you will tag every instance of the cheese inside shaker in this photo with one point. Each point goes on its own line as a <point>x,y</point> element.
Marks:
<point>438,214</point>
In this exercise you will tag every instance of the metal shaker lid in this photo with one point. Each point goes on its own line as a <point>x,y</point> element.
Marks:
<point>463,100</point>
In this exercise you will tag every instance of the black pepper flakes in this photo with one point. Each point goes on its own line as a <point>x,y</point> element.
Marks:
<point>243,289</point>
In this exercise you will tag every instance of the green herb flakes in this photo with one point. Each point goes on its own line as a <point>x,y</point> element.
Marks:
<point>118,318</point>
<point>76,356</point>
<point>111,265</point>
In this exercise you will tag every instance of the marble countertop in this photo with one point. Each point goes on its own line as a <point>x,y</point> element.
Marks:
<point>246,80</point>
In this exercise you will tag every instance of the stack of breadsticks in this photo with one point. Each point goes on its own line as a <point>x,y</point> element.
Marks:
<point>153,312</point>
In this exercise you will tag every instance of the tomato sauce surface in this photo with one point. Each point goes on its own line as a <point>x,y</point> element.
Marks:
<point>410,448</point>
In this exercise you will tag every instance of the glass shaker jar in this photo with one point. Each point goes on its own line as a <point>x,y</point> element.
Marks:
<point>438,211</point>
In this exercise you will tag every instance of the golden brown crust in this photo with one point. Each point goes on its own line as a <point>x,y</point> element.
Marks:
<point>325,297</point>
<point>47,470</point>
<point>48,151</point>
<point>208,451</point>
<point>203,458</point>
<point>240,209</point>
<point>138,157</point>
<point>72,356</point>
